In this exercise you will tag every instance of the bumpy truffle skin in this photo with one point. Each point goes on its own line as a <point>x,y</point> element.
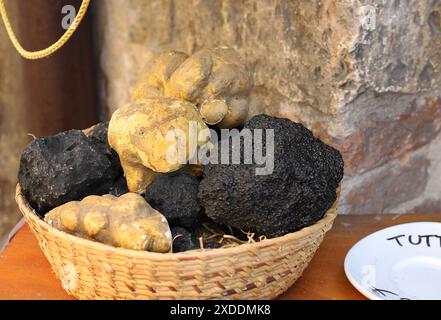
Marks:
<point>301,189</point>
<point>98,133</point>
<point>153,136</point>
<point>128,222</point>
<point>176,197</point>
<point>218,81</point>
<point>65,167</point>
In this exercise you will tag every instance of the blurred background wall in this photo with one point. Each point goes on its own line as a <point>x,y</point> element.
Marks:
<point>363,75</point>
<point>12,128</point>
<point>40,97</point>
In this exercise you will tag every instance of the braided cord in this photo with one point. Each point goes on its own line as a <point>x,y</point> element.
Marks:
<point>34,55</point>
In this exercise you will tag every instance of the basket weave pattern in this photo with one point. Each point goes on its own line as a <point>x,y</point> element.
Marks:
<point>262,270</point>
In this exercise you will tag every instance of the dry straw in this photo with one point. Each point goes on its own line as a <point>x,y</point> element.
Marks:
<point>260,270</point>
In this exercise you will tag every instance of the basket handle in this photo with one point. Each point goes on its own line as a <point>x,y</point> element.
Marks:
<point>34,55</point>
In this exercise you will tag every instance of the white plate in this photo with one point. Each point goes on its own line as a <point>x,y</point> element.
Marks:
<point>398,263</point>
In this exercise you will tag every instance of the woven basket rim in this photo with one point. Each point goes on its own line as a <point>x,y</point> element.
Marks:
<point>323,223</point>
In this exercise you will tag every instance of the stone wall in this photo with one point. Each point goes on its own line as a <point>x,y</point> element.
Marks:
<point>363,75</point>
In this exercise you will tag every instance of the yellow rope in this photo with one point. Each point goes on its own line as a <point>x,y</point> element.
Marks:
<point>33,55</point>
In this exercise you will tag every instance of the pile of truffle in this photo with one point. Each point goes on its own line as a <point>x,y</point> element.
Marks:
<point>116,183</point>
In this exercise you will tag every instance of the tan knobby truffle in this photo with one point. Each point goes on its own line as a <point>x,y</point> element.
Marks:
<point>217,81</point>
<point>156,73</point>
<point>156,135</point>
<point>128,222</point>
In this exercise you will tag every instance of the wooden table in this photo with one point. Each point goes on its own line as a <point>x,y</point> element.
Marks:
<point>26,274</point>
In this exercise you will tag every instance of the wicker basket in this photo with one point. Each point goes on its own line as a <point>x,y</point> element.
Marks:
<point>262,270</point>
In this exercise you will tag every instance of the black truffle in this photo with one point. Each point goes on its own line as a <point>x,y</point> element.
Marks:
<point>299,191</point>
<point>119,187</point>
<point>176,197</point>
<point>66,167</point>
<point>98,134</point>
<point>184,240</point>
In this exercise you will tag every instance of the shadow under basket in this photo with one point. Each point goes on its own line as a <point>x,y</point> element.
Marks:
<point>261,270</point>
